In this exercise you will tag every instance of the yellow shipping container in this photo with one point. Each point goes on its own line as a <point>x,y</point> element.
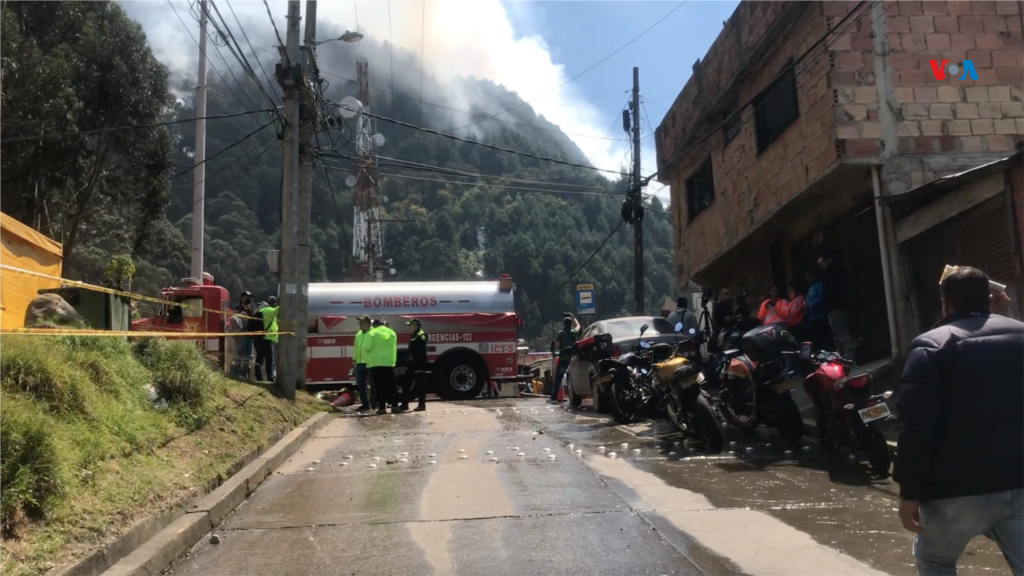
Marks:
<point>24,248</point>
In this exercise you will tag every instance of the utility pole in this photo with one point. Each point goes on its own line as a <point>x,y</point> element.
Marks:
<point>307,127</point>
<point>199,169</point>
<point>638,210</point>
<point>289,74</point>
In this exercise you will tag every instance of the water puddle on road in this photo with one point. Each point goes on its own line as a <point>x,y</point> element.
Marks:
<point>756,542</point>
<point>457,491</point>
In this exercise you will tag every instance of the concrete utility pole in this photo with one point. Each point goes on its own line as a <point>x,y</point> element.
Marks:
<point>307,127</point>
<point>289,74</point>
<point>638,217</point>
<point>199,170</point>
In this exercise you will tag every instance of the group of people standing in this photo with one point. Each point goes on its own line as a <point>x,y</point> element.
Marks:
<point>260,321</point>
<point>817,315</point>
<point>375,353</point>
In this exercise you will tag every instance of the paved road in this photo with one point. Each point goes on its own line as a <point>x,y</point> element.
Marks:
<point>436,503</point>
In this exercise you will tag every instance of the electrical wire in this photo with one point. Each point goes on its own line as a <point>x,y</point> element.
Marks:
<point>489,146</point>
<point>223,150</point>
<point>598,63</point>
<point>585,262</point>
<point>210,62</point>
<point>280,42</point>
<point>432,168</point>
<point>251,49</point>
<point>479,115</point>
<point>266,147</point>
<point>240,55</point>
<point>130,127</point>
<point>355,11</point>
<point>791,66</point>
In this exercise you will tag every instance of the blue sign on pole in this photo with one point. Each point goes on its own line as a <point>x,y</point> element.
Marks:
<point>585,299</point>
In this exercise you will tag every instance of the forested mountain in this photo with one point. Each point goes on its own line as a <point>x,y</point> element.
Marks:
<point>141,187</point>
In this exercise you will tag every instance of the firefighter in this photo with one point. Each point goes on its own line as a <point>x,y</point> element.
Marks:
<point>380,350</point>
<point>417,366</point>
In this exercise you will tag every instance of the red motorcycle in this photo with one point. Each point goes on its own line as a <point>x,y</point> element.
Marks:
<point>848,413</point>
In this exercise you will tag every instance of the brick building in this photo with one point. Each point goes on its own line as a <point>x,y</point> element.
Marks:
<point>801,114</point>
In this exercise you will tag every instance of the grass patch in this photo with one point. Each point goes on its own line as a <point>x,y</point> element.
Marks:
<point>85,454</point>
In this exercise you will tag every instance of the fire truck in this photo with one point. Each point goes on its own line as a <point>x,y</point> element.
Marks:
<point>472,329</point>
<point>195,313</point>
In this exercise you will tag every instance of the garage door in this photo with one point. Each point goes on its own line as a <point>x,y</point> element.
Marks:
<point>980,237</point>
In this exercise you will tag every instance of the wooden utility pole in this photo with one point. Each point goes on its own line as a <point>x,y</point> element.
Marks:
<point>638,210</point>
<point>289,74</point>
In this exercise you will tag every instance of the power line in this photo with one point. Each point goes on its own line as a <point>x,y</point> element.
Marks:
<point>479,115</point>
<point>130,127</point>
<point>616,120</point>
<point>280,43</point>
<point>253,50</point>
<point>355,11</point>
<point>432,168</point>
<point>207,57</point>
<point>835,30</point>
<point>585,262</point>
<point>489,146</point>
<point>599,62</point>
<point>223,150</point>
<point>240,55</point>
<point>266,147</point>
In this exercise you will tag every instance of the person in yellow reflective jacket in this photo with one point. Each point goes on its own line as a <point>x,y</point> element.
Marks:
<point>379,351</point>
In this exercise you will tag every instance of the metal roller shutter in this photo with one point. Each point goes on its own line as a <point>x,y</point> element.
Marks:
<point>980,237</point>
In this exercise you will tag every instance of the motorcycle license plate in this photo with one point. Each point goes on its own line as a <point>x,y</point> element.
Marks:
<point>604,378</point>
<point>875,412</point>
<point>784,386</point>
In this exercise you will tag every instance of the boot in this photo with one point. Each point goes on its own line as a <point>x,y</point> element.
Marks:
<point>420,408</point>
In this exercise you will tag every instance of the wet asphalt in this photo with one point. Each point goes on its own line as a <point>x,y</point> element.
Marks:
<point>498,487</point>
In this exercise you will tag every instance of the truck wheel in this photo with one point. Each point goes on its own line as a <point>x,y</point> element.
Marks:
<point>461,377</point>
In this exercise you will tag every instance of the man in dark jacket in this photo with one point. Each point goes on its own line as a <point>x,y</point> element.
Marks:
<point>960,460</point>
<point>417,366</point>
<point>836,304</point>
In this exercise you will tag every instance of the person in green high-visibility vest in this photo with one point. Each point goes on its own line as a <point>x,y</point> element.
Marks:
<point>266,345</point>
<point>380,351</point>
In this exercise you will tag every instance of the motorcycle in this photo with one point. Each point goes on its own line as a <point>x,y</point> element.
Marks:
<point>662,378</point>
<point>756,382</point>
<point>848,413</point>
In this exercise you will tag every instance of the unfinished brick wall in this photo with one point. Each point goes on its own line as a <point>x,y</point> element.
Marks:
<point>942,125</point>
<point>748,186</point>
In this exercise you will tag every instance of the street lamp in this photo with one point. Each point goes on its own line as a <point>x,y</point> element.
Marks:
<point>347,37</point>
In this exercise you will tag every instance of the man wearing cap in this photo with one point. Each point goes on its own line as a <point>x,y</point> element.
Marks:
<point>380,350</point>
<point>417,366</point>
<point>360,371</point>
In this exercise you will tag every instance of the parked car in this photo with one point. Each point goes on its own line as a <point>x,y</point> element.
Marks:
<point>625,333</point>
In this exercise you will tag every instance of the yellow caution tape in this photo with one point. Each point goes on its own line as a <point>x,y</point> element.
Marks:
<point>122,293</point>
<point>132,334</point>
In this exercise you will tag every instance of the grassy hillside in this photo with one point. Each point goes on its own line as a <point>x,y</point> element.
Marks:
<point>86,453</point>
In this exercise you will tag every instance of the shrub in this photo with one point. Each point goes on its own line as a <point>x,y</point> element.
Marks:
<point>32,470</point>
<point>180,373</point>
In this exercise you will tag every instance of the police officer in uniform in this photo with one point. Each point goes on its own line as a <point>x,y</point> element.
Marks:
<point>417,366</point>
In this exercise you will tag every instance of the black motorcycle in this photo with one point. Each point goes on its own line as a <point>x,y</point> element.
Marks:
<point>757,381</point>
<point>661,378</point>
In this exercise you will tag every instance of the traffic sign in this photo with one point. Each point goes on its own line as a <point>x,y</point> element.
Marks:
<point>585,299</point>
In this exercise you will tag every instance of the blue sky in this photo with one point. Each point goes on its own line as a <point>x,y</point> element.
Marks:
<point>530,47</point>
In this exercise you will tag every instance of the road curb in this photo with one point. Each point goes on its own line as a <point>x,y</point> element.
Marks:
<point>171,543</point>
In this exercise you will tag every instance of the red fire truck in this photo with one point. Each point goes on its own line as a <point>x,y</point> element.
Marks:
<point>198,300</point>
<point>472,329</point>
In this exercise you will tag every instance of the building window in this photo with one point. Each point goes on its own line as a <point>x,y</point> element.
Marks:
<point>700,190</point>
<point>775,109</point>
<point>732,126</point>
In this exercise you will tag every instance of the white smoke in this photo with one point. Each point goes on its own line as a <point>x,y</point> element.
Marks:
<point>455,38</point>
